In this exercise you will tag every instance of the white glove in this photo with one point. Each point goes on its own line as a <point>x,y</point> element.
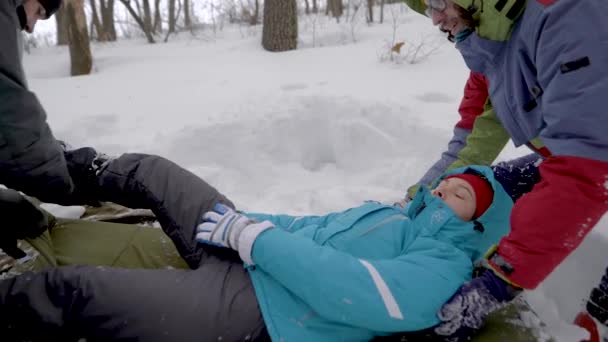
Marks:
<point>225,227</point>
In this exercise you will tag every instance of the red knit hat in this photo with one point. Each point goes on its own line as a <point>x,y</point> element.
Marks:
<point>484,194</point>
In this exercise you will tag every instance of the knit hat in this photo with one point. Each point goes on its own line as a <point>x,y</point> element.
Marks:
<point>50,6</point>
<point>484,194</point>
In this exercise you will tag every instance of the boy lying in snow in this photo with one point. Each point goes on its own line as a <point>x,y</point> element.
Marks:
<point>349,276</point>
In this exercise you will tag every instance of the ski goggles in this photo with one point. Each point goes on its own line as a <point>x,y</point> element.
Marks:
<point>434,6</point>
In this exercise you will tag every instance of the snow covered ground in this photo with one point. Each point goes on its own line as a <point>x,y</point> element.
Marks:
<point>310,131</point>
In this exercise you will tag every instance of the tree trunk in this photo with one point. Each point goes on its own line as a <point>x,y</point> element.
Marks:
<point>62,26</point>
<point>80,47</point>
<point>254,19</point>
<point>307,7</point>
<point>107,19</point>
<point>172,16</point>
<point>187,19</point>
<point>382,11</point>
<point>280,30</point>
<point>370,11</point>
<point>139,21</point>
<point>336,8</point>
<point>315,7</point>
<point>158,20</point>
<point>96,23</point>
<point>147,16</point>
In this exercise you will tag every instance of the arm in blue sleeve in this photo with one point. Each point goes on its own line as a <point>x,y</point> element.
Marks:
<point>571,62</point>
<point>292,223</point>
<point>448,157</point>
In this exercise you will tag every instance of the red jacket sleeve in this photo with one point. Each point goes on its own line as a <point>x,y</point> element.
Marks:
<point>472,104</point>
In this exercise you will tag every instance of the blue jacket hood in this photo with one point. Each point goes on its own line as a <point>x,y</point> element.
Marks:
<point>474,237</point>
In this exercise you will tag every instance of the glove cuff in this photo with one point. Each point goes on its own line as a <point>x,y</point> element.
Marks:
<point>247,239</point>
<point>501,290</point>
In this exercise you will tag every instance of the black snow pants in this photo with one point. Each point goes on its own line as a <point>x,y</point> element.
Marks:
<point>214,301</point>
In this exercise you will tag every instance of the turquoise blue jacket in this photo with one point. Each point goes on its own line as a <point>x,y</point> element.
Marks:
<point>370,270</point>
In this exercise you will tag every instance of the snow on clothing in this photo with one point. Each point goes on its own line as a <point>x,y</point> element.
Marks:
<point>549,81</point>
<point>30,158</point>
<point>347,276</point>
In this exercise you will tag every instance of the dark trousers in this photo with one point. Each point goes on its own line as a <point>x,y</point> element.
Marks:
<point>213,302</point>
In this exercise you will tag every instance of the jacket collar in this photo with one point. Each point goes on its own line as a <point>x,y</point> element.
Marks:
<point>480,55</point>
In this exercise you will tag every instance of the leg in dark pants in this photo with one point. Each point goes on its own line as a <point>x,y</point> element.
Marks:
<point>213,303</point>
<point>177,197</point>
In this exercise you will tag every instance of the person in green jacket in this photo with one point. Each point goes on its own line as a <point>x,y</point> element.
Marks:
<point>478,138</point>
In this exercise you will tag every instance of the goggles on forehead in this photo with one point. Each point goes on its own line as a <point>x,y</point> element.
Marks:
<point>434,6</point>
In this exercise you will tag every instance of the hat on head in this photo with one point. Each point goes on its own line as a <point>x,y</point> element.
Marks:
<point>484,194</point>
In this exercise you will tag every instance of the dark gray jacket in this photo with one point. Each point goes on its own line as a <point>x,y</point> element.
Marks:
<point>31,160</point>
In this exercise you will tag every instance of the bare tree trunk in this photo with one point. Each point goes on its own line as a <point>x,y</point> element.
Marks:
<point>255,17</point>
<point>315,7</point>
<point>280,30</point>
<point>336,8</point>
<point>158,20</point>
<point>370,11</point>
<point>172,16</point>
<point>147,16</point>
<point>107,19</point>
<point>187,19</point>
<point>80,47</point>
<point>96,23</point>
<point>139,21</point>
<point>307,7</point>
<point>382,11</point>
<point>62,26</point>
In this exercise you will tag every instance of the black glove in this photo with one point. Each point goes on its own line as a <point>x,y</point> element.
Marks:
<point>20,219</point>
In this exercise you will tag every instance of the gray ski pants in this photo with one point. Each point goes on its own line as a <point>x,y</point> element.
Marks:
<point>214,301</point>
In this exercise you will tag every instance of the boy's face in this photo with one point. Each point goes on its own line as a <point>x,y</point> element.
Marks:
<point>34,11</point>
<point>458,194</point>
<point>447,15</point>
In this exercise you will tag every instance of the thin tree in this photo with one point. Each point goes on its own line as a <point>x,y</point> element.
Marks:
<point>370,11</point>
<point>102,20</point>
<point>254,18</point>
<point>96,23</point>
<point>80,47</point>
<point>147,15</point>
<point>107,19</point>
<point>145,28</point>
<point>280,30</point>
<point>172,16</point>
<point>336,8</point>
<point>157,27</point>
<point>187,18</point>
<point>62,26</point>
